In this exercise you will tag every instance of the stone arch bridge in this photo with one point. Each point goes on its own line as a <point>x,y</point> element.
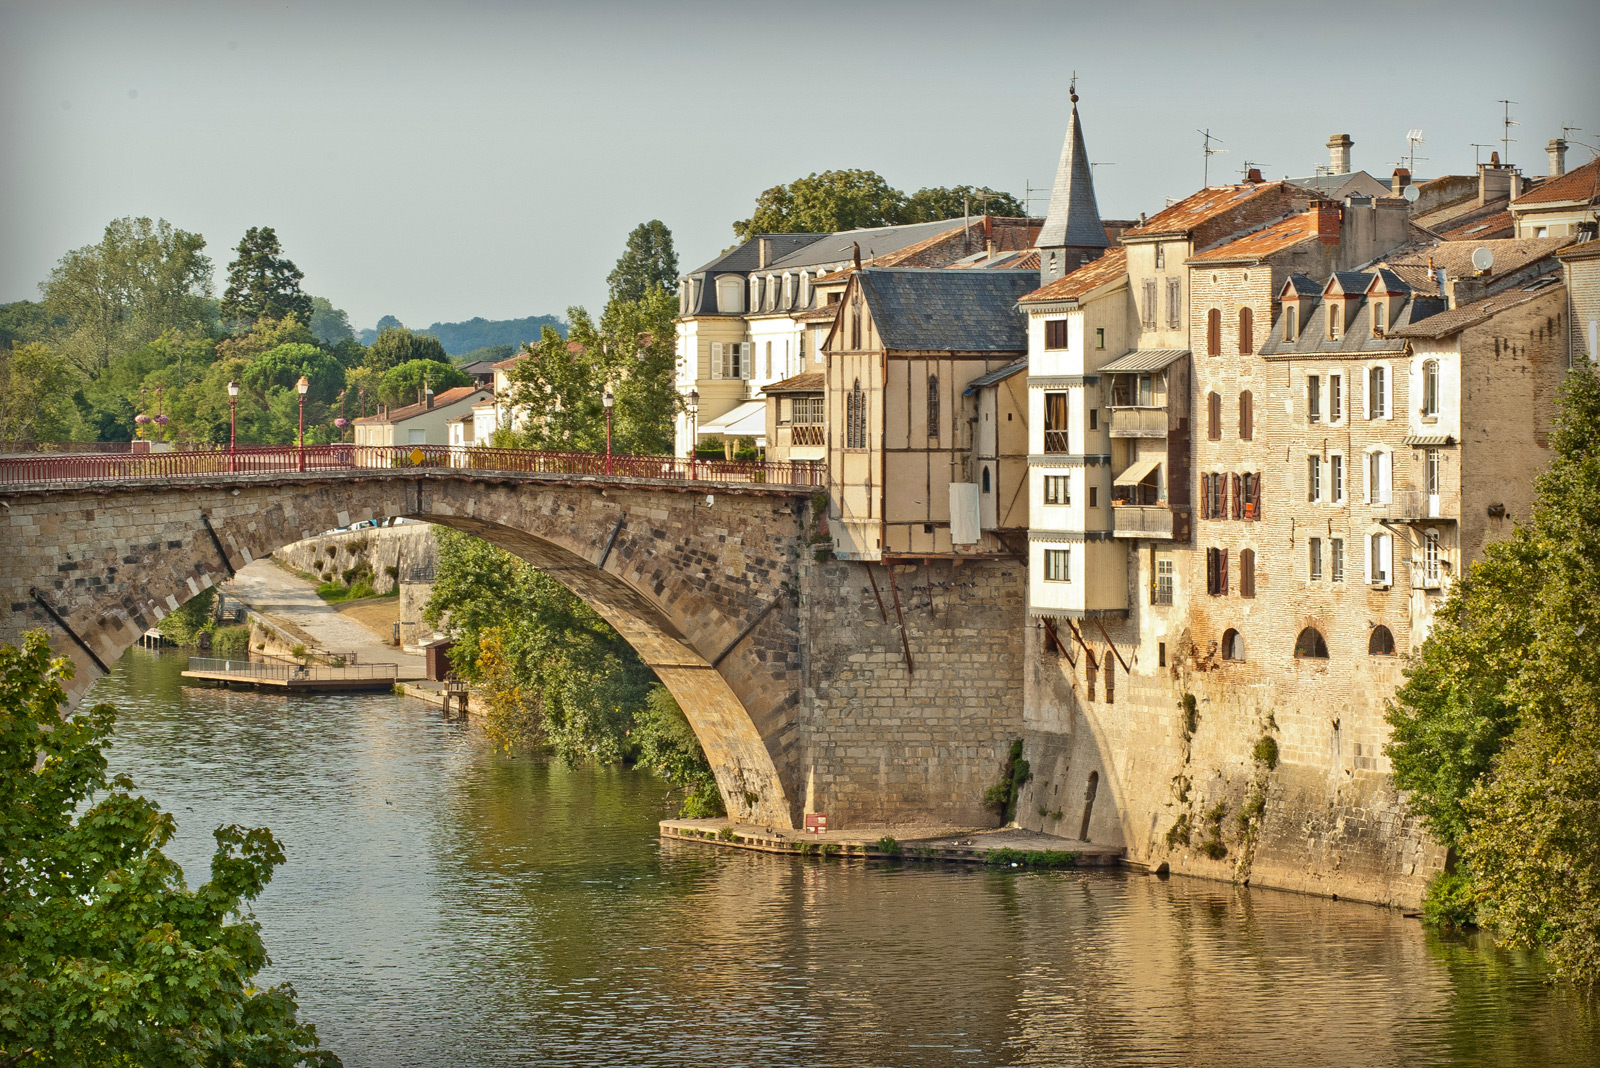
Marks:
<point>875,694</point>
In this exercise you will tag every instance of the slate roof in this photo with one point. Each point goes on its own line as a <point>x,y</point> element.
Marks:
<point>1091,276</point>
<point>1305,287</point>
<point>948,311</point>
<point>745,257</point>
<point>1356,338</point>
<point>874,241</point>
<point>999,374</point>
<point>1074,217</point>
<point>1352,282</point>
<point>1275,238</point>
<point>1458,319</point>
<point>809,382</point>
<point>440,400</point>
<point>1330,185</point>
<point>1197,208</point>
<point>1581,184</point>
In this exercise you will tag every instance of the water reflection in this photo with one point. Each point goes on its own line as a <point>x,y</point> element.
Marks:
<point>443,905</point>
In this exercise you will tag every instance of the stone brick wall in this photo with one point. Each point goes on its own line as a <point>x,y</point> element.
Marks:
<point>410,545</point>
<point>884,741</point>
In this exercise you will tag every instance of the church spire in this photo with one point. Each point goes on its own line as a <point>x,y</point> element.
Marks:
<point>1072,232</point>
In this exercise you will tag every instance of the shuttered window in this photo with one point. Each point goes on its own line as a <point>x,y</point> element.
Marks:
<point>1247,331</point>
<point>1217,572</point>
<point>1214,417</point>
<point>1214,332</point>
<point>1247,416</point>
<point>1174,303</point>
<point>933,407</point>
<point>855,418</point>
<point>1055,334</point>
<point>1247,573</point>
<point>1147,312</point>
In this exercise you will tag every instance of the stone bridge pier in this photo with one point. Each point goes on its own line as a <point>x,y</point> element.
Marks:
<point>875,694</point>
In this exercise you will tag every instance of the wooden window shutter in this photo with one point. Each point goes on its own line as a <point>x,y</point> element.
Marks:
<point>716,359</point>
<point>1247,330</point>
<point>1247,573</point>
<point>1247,416</point>
<point>1238,503</point>
<point>1214,332</point>
<point>1211,572</point>
<point>1222,568</point>
<point>1214,417</point>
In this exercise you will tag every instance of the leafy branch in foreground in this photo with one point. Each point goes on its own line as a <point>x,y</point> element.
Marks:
<point>107,958</point>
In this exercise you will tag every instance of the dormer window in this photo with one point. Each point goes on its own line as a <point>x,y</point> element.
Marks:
<point>1380,317</point>
<point>1335,320</point>
<point>1291,313</point>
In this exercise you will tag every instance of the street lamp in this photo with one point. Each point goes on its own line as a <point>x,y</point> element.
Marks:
<point>694,428</point>
<point>610,402</point>
<point>341,422</point>
<point>233,421</point>
<point>302,386</point>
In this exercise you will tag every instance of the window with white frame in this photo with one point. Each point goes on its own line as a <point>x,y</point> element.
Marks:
<point>1058,565</point>
<point>1314,559</point>
<point>730,296</point>
<point>1314,398</point>
<point>1336,479</point>
<point>1430,558</point>
<point>1378,391</point>
<point>1057,490</point>
<point>1336,560</point>
<point>1313,478</point>
<point>1380,472</point>
<point>1335,398</point>
<point>1380,559</point>
<point>1163,574</point>
<point>1432,462</point>
<point>1430,389</point>
<point>730,359</point>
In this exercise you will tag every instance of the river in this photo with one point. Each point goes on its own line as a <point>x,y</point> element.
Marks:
<point>446,905</point>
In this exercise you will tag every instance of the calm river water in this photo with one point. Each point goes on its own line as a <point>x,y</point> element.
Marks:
<point>443,905</point>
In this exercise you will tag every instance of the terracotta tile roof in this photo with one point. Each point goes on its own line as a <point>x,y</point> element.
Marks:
<point>1090,276</point>
<point>518,358</point>
<point>1275,238</point>
<point>1581,184</point>
<point>1456,320</point>
<point>440,400</point>
<point>1510,254</point>
<point>1200,207</point>
<point>809,382</point>
<point>821,313</point>
<point>1492,223</point>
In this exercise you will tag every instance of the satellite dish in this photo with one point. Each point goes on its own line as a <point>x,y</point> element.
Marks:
<point>1482,259</point>
<point>1411,193</point>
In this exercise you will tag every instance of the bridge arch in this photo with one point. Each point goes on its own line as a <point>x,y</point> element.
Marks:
<point>699,583</point>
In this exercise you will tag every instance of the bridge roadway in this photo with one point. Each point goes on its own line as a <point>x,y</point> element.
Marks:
<point>697,564</point>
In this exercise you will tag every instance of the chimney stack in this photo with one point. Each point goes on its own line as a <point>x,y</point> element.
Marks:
<point>1557,148</point>
<point>1494,181</point>
<point>1254,177</point>
<point>1326,214</point>
<point>1402,178</point>
<point>761,253</point>
<point>1339,154</point>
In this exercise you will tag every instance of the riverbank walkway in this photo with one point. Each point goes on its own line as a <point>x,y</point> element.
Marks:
<point>275,672</point>
<point>1005,845</point>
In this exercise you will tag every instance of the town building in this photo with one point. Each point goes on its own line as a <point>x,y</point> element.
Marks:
<point>1337,181</point>
<point>906,345</point>
<point>425,423</point>
<point>1561,206</point>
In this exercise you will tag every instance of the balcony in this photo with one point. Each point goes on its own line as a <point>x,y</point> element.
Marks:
<point>1414,506</point>
<point>1138,422</point>
<point>807,434</point>
<point>1150,521</point>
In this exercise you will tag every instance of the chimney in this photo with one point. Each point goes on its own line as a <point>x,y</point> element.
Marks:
<point>761,253</point>
<point>1325,214</point>
<point>1494,181</point>
<point>1402,178</point>
<point>1557,149</point>
<point>1339,154</point>
<point>1254,177</point>
<point>988,237</point>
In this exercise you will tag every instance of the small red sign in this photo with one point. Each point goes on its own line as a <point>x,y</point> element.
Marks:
<point>816,823</point>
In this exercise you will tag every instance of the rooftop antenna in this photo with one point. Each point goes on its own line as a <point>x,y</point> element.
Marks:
<point>1506,140</point>
<point>1413,139</point>
<point>1567,128</point>
<point>1475,150</point>
<point>1249,164</point>
<point>1209,152</point>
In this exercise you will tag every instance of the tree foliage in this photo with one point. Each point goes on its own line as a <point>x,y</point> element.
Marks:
<point>1497,728</point>
<point>649,260</point>
<point>403,385</point>
<point>396,345</point>
<point>330,325</point>
<point>263,283</point>
<point>140,281</point>
<point>107,957</point>
<point>37,384</point>
<point>847,200</point>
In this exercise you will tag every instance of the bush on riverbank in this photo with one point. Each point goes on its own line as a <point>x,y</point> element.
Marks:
<point>108,958</point>
<point>1496,731</point>
<point>555,676</point>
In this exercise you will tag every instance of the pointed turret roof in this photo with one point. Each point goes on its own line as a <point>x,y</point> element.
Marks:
<point>1074,219</point>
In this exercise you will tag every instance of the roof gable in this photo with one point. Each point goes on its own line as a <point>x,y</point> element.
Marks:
<point>1582,184</point>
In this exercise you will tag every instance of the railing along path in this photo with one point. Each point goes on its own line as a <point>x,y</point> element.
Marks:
<point>67,463</point>
<point>288,670</point>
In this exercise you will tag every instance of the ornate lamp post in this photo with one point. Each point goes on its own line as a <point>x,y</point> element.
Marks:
<point>233,421</point>
<point>141,420</point>
<point>694,429</point>
<point>302,386</point>
<point>161,417</point>
<point>610,402</point>
<point>341,422</point>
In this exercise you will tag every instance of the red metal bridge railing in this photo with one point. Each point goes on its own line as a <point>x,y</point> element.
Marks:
<point>90,464</point>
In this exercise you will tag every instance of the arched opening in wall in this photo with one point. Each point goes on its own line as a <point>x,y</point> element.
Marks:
<point>1381,641</point>
<point>986,480</point>
<point>1232,645</point>
<point>1088,805</point>
<point>1311,645</point>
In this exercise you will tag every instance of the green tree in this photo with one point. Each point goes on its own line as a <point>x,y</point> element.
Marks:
<point>640,339</point>
<point>396,345</point>
<point>330,325</point>
<point>668,746</point>
<point>21,321</point>
<point>649,260</point>
<point>559,387</point>
<point>108,958</point>
<point>822,203</point>
<point>37,384</point>
<point>263,283</point>
<point>1497,728</point>
<point>953,202</point>
<point>141,280</point>
<point>403,385</point>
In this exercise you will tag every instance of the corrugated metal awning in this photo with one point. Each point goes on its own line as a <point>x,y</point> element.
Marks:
<point>1138,471</point>
<point>1429,439</point>
<point>1143,360</point>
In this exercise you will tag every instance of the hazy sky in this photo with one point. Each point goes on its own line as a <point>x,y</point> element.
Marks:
<point>440,161</point>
